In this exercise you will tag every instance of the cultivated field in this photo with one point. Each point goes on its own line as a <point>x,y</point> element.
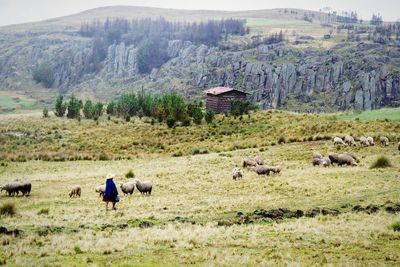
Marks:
<point>197,215</point>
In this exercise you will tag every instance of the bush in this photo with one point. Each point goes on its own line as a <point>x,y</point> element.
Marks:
<point>396,226</point>
<point>74,108</point>
<point>77,249</point>
<point>60,106</point>
<point>209,116</point>
<point>7,209</point>
<point>45,112</point>
<point>281,140</point>
<point>130,174</point>
<point>381,162</point>
<point>44,74</point>
<point>240,107</point>
<point>88,109</point>
<point>170,121</point>
<point>197,115</point>
<point>43,211</point>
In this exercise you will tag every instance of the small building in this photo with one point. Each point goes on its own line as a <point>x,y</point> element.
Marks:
<point>219,99</point>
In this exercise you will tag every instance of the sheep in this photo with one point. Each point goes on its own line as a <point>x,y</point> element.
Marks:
<point>26,189</point>
<point>317,155</point>
<point>338,141</point>
<point>324,161</point>
<point>345,159</point>
<point>127,188</point>
<point>249,162</point>
<point>384,140</point>
<point>12,188</point>
<point>143,187</point>
<point>364,141</point>
<point>370,141</point>
<point>349,140</point>
<point>275,169</point>
<point>334,157</point>
<point>101,189</point>
<point>261,170</point>
<point>237,174</point>
<point>75,191</point>
<point>259,160</point>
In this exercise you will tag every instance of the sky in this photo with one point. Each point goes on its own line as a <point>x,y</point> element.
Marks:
<point>20,11</point>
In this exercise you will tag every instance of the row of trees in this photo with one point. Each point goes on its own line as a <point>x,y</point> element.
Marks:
<point>169,107</point>
<point>74,106</point>
<point>133,31</point>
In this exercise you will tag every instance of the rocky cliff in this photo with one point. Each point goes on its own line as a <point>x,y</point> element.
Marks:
<point>347,76</point>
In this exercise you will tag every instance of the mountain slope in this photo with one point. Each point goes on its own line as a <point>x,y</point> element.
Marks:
<point>307,72</point>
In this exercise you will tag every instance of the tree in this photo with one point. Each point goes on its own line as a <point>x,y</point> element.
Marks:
<point>97,110</point>
<point>110,108</point>
<point>60,106</point>
<point>197,115</point>
<point>74,108</point>
<point>43,74</point>
<point>88,109</point>
<point>45,112</point>
<point>209,117</point>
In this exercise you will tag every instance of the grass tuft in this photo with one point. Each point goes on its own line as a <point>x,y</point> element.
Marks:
<point>130,174</point>
<point>381,162</point>
<point>43,211</point>
<point>396,226</point>
<point>8,209</point>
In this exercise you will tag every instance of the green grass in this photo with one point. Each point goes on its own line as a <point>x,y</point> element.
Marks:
<point>15,102</point>
<point>179,224</point>
<point>381,114</point>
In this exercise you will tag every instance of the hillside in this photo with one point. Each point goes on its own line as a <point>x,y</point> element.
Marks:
<point>352,68</point>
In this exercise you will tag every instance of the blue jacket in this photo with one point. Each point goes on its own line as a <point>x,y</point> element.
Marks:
<point>111,193</point>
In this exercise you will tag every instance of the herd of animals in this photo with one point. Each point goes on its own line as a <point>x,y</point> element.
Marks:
<point>256,164</point>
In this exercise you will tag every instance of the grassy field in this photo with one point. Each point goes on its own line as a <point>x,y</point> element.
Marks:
<point>381,114</point>
<point>272,22</point>
<point>197,215</point>
<point>11,101</point>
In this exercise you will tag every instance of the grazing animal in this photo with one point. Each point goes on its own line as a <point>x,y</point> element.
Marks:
<point>323,161</point>
<point>317,155</point>
<point>12,189</point>
<point>275,169</point>
<point>259,160</point>
<point>334,157</point>
<point>349,140</point>
<point>237,174</point>
<point>101,189</point>
<point>364,141</point>
<point>75,191</point>
<point>26,188</point>
<point>370,141</point>
<point>345,159</point>
<point>384,140</point>
<point>261,170</point>
<point>249,162</point>
<point>143,187</point>
<point>127,188</point>
<point>338,141</point>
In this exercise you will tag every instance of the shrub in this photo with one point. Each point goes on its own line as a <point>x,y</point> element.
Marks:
<point>77,249</point>
<point>130,174</point>
<point>110,108</point>
<point>186,121</point>
<point>198,151</point>
<point>43,74</point>
<point>177,154</point>
<point>209,116</point>
<point>381,162</point>
<point>103,156</point>
<point>396,226</point>
<point>170,121</point>
<point>7,209</point>
<point>45,112</point>
<point>60,106</point>
<point>88,109</point>
<point>198,115</point>
<point>74,108</point>
<point>281,140</point>
<point>239,107</point>
<point>43,211</point>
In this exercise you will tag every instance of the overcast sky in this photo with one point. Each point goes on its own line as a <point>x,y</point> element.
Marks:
<point>19,11</point>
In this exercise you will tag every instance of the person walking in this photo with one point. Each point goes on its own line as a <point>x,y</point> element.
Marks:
<point>111,193</point>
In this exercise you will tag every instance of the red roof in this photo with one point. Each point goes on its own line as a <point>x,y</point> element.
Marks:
<point>221,90</point>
